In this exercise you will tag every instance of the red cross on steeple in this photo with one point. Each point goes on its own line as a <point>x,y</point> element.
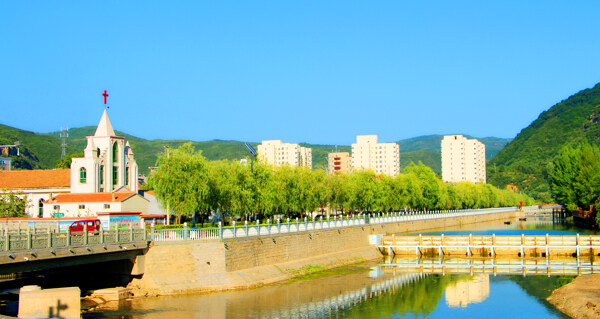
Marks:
<point>105,96</point>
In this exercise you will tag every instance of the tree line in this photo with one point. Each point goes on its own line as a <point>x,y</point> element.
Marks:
<point>186,182</point>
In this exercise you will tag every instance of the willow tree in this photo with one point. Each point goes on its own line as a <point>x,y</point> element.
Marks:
<point>181,181</point>
<point>336,185</point>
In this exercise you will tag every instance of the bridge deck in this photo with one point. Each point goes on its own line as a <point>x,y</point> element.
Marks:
<point>491,245</point>
<point>35,250</point>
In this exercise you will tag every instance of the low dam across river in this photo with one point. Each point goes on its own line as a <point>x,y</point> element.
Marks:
<point>491,245</point>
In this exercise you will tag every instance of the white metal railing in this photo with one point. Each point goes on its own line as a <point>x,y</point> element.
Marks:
<point>298,225</point>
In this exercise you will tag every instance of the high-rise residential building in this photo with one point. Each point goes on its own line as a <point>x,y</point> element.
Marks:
<point>277,153</point>
<point>383,158</point>
<point>340,162</point>
<point>463,159</point>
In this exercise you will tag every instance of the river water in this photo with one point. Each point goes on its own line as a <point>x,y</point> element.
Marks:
<point>369,290</point>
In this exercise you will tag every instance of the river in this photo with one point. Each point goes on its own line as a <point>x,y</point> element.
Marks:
<point>368,290</point>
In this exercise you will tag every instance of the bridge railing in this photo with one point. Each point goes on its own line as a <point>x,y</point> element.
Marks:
<point>301,225</point>
<point>34,240</point>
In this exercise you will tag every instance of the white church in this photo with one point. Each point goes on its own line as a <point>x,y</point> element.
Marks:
<point>104,181</point>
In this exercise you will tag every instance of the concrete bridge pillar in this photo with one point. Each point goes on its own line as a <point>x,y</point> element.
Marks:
<point>49,303</point>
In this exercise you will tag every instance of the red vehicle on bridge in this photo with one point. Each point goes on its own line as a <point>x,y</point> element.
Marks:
<point>92,225</point>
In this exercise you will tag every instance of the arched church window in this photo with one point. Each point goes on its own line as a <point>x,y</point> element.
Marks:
<point>41,208</point>
<point>82,175</point>
<point>101,174</point>
<point>115,152</point>
<point>127,175</point>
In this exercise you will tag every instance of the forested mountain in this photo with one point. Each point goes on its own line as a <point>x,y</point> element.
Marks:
<point>43,150</point>
<point>36,150</point>
<point>527,160</point>
<point>433,143</point>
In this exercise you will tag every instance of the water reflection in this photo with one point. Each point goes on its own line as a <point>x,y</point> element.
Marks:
<point>364,291</point>
<point>376,290</point>
<point>470,290</point>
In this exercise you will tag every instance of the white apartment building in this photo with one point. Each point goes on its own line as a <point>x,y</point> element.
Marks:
<point>340,162</point>
<point>277,153</point>
<point>383,158</point>
<point>463,159</point>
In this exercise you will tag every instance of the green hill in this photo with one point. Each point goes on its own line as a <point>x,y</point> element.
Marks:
<point>527,160</point>
<point>146,151</point>
<point>43,150</point>
<point>36,150</point>
<point>428,158</point>
<point>433,143</point>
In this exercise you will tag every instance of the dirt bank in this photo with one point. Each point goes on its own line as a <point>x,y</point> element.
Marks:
<point>580,298</point>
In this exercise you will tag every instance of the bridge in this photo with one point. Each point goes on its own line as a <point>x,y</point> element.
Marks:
<point>26,250</point>
<point>489,245</point>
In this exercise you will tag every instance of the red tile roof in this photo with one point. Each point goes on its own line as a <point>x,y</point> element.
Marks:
<point>92,198</point>
<point>43,178</point>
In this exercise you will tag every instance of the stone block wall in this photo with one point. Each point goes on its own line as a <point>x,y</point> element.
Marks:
<point>192,266</point>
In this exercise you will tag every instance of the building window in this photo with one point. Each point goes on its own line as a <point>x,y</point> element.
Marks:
<point>115,152</point>
<point>82,175</point>
<point>81,206</point>
<point>106,206</point>
<point>101,174</point>
<point>115,180</point>
<point>41,207</point>
<point>127,175</point>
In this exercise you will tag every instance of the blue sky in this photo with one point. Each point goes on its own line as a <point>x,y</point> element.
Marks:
<point>312,71</point>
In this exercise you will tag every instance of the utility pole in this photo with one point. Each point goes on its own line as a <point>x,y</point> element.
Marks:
<point>64,133</point>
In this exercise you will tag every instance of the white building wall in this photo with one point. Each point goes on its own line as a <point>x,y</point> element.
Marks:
<point>74,210</point>
<point>463,159</point>
<point>382,158</point>
<point>32,197</point>
<point>277,153</point>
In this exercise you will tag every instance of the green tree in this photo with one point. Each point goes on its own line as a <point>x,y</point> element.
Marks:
<point>66,162</point>
<point>181,181</point>
<point>576,178</point>
<point>12,205</point>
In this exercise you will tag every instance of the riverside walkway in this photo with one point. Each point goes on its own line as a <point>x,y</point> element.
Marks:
<point>491,245</point>
<point>251,229</point>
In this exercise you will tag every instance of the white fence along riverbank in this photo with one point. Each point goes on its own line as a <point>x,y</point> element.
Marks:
<point>301,225</point>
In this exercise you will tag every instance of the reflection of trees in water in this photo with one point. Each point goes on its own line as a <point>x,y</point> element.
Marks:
<point>541,287</point>
<point>419,299</point>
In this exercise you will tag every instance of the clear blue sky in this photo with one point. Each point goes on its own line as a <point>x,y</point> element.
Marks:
<point>311,71</point>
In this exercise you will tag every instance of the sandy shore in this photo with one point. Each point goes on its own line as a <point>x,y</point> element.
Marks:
<point>580,298</point>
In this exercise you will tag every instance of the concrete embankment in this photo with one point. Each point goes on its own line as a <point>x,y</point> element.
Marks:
<point>189,266</point>
<point>580,298</point>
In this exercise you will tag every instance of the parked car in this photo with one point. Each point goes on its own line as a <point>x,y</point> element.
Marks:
<point>92,225</point>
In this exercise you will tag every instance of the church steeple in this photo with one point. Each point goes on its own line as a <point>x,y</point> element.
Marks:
<point>104,127</point>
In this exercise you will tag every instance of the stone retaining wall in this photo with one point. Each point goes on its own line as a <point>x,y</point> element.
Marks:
<point>189,266</point>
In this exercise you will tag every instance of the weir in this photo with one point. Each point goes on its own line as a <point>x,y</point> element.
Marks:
<point>491,245</point>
